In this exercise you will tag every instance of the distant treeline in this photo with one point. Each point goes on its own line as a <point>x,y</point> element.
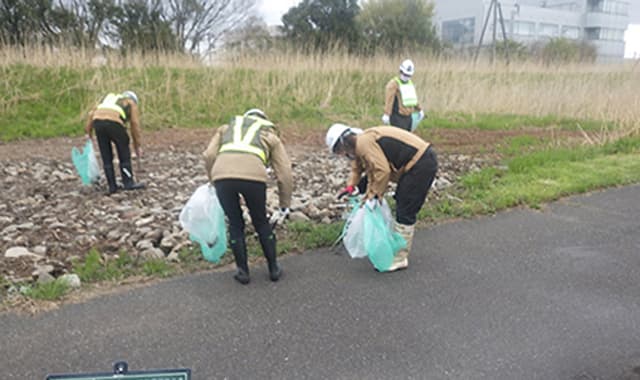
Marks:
<point>198,27</point>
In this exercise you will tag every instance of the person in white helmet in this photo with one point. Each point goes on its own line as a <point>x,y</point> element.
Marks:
<point>388,154</point>
<point>236,161</point>
<point>108,119</point>
<point>401,99</point>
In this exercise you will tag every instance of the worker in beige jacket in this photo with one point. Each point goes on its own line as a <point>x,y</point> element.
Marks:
<point>108,120</point>
<point>401,100</point>
<point>236,161</point>
<point>388,154</point>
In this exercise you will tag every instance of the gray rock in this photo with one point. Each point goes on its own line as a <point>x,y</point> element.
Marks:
<point>152,253</point>
<point>43,272</point>
<point>144,221</point>
<point>9,229</point>
<point>144,244</point>
<point>40,250</point>
<point>72,279</point>
<point>298,216</point>
<point>44,278</point>
<point>25,226</point>
<point>15,252</point>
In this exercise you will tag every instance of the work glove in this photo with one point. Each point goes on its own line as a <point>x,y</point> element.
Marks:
<point>349,190</point>
<point>385,119</point>
<point>421,114</point>
<point>279,216</point>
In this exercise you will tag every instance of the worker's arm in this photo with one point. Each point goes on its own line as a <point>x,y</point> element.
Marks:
<point>211,152</point>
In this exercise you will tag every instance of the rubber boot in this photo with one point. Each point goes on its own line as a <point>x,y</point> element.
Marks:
<point>239,249</point>
<point>127,177</point>
<point>110,174</point>
<point>401,259</point>
<point>268,244</point>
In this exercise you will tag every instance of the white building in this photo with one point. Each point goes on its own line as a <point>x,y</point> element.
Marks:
<point>601,22</point>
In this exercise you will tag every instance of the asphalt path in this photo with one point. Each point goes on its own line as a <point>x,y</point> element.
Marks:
<point>524,294</point>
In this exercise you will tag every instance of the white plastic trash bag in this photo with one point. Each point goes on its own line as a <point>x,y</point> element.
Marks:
<point>354,229</point>
<point>203,218</point>
<point>86,163</point>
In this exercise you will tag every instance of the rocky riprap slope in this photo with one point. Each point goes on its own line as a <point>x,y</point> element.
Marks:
<point>47,218</point>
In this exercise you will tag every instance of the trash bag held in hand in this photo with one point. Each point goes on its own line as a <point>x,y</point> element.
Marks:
<point>203,218</point>
<point>370,233</point>
<point>380,240</point>
<point>353,230</point>
<point>86,163</point>
<point>415,120</point>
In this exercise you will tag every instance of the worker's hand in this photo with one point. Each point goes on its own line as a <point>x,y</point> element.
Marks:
<point>349,190</point>
<point>421,114</point>
<point>279,216</point>
<point>87,136</point>
<point>385,119</point>
<point>138,152</point>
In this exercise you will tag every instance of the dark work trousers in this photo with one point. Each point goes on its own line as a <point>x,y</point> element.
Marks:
<point>108,131</point>
<point>413,187</point>
<point>398,120</point>
<point>255,197</point>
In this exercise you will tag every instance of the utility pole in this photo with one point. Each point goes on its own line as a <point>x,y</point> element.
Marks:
<point>495,10</point>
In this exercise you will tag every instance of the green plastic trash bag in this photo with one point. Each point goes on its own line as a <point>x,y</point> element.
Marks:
<point>415,120</point>
<point>370,233</point>
<point>203,218</point>
<point>380,240</point>
<point>86,163</point>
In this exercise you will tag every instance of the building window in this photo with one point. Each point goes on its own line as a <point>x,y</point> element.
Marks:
<point>571,32</point>
<point>617,7</point>
<point>609,34</point>
<point>524,28</point>
<point>459,31</point>
<point>548,30</point>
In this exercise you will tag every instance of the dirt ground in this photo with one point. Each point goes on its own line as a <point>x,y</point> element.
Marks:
<point>481,146</point>
<point>466,141</point>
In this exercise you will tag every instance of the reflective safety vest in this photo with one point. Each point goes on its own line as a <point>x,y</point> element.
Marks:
<point>408,93</point>
<point>111,103</point>
<point>244,136</point>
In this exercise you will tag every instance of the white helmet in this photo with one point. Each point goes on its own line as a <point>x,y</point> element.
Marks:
<point>336,131</point>
<point>407,68</point>
<point>131,95</point>
<point>255,112</point>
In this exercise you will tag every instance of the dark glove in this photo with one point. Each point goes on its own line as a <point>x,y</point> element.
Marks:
<point>349,190</point>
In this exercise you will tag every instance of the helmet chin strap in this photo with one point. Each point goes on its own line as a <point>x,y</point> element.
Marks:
<point>404,77</point>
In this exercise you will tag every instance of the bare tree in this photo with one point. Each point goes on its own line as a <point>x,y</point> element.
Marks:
<point>85,20</point>
<point>200,25</point>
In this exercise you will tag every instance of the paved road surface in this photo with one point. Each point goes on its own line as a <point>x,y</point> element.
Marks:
<point>552,294</point>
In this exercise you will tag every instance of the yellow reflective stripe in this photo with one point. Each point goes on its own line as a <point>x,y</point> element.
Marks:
<point>237,131</point>
<point>251,132</point>
<point>109,103</point>
<point>244,148</point>
<point>243,144</point>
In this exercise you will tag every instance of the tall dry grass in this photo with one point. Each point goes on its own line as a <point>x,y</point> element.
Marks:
<point>338,85</point>
<point>607,92</point>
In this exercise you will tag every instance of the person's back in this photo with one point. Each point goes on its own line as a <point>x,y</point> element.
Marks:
<point>109,119</point>
<point>236,161</point>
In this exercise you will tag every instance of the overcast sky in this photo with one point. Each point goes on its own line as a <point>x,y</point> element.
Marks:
<point>272,11</point>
